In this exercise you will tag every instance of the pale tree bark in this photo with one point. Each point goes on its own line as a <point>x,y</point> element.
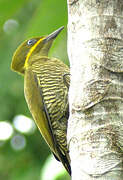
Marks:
<point>95,127</point>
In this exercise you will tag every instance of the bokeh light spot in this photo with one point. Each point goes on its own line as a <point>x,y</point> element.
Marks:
<point>10,26</point>
<point>6,130</point>
<point>24,124</point>
<point>18,142</point>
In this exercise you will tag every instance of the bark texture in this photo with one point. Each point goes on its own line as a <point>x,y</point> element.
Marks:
<point>95,127</point>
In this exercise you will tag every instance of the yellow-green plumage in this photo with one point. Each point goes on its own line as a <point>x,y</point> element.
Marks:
<point>46,82</point>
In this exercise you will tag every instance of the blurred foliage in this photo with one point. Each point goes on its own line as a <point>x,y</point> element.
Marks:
<point>19,20</point>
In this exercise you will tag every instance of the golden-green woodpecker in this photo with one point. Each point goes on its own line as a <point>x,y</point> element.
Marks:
<point>46,83</point>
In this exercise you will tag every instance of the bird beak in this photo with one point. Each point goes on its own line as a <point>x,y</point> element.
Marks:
<point>53,35</point>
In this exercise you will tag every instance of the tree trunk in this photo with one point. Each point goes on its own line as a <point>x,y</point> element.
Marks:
<point>95,127</point>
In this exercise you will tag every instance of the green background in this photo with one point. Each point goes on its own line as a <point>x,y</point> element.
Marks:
<point>32,18</point>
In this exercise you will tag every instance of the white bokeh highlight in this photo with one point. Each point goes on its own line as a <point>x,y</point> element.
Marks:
<point>6,130</point>
<point>10,26</point>
<point>24,124</point>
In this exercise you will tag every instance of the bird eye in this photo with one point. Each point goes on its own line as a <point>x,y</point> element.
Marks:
<point>31,42</point>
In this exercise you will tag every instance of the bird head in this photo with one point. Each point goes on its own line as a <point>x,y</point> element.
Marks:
<point>24,53</point>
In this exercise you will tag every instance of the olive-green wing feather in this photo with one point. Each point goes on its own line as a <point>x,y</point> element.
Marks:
<point>58,151</point>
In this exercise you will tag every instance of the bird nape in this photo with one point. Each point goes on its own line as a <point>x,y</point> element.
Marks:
<point>46,83</point>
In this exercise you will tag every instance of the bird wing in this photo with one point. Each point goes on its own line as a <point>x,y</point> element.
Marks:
<point>58,152</point>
